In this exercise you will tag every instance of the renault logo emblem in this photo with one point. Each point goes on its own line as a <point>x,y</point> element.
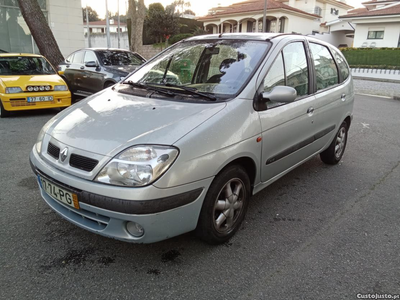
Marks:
<point>64,154</point>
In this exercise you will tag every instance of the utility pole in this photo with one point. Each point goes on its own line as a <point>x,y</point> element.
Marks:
<point>87,26</point>
<point>265,17</point>
<point>119,26</point>
<point>108,27</point>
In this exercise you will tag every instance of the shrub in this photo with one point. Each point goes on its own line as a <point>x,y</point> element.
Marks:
<point>178,37</point>
<point>372,57</point>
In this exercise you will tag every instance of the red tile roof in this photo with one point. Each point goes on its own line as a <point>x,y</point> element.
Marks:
<point>255,5</point>
<point>363,12</point>
<point>103,23</point>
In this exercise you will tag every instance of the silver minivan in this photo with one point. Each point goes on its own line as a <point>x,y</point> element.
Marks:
<point>150,158</point>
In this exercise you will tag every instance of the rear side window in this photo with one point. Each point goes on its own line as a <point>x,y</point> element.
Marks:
<point>343,68</point>
<point>78,57</point>
<point>325,67</point>
<point>70,58</point>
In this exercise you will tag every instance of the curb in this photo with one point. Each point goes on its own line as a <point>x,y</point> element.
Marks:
<point>379,96</point>
<point>376,79</point>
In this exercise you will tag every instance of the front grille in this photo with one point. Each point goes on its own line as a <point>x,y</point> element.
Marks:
<point>82,162</point>
<point>20,102</point>
<point>53,151</point>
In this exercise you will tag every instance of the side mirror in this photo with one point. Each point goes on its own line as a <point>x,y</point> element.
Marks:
<point>91,64</point>
<point>285,94</point>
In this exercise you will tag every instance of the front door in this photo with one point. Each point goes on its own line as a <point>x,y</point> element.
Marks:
<point>288,129</point>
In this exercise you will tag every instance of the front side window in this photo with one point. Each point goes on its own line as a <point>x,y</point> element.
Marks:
<point>22,65</point>
<point>325,67</point>
<point>375,35</point>
<point>218,67</point>
<point>296,67</point>
<point>90,56</point>
<point>118,58</point>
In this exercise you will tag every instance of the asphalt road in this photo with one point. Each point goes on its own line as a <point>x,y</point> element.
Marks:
<point>321,232</point>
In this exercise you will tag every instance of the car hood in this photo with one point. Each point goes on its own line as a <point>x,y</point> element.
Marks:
<point>25,80</point>
<point>122,69</point>
<point>109,122</point>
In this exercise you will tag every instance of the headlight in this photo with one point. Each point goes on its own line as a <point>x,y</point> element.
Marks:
<point>60,88</point>
<point>138,165</point>
<point>42,132</point>
<point>13,90</point>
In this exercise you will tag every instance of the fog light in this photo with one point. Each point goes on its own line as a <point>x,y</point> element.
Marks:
<point>134,229</point>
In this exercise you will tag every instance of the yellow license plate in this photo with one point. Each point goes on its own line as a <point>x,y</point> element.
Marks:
<point>58,193</point>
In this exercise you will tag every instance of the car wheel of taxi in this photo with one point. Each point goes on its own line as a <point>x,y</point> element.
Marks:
<point>3,113</point>
<point>335,151</point>
<point>225,205</point>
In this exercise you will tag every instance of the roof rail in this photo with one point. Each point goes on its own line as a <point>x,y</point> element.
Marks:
<point>278,35</point>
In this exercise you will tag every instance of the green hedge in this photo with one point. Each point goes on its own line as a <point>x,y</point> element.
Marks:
<point>373,57</point>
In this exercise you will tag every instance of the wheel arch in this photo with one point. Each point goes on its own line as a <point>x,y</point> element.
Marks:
<point>247,163</point>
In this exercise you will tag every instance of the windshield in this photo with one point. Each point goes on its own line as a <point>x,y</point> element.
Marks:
<point>118,58</point>
<point>22,65</point>
<point>216,67</point>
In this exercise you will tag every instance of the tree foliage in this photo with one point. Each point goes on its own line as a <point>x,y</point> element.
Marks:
<point>161,22</point>
<point>189,12</point>
<point>180,4</point>
<point>93,16</point>
<point>40,30</point>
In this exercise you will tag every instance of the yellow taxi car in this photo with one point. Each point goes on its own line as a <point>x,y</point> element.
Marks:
<point>29,81</point>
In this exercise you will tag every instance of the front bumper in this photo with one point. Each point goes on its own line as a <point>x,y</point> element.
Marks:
<point>15,102</point>
<point>163,213</point>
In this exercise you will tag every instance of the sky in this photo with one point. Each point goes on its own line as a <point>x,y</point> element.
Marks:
<point>200,7</point>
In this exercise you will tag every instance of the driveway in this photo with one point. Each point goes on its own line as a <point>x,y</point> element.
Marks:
<point>320,232</point>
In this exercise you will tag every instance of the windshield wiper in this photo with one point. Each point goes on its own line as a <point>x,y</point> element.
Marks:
<point>192,91</point>
<point>149,88</point>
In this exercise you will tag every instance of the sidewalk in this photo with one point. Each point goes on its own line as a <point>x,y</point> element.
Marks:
<point>369,87</point>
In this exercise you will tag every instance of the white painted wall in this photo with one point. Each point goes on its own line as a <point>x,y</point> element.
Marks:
<point>391,35</point>
<point>334,38</point>
<point>66,23</point>
<point>100,40</point>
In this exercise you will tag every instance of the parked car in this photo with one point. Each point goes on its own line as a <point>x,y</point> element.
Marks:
<point>88,71</point>
<point>29,81</point>
<point>146,161</point>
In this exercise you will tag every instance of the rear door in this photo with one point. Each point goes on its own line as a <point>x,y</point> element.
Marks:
<point>288,129</point>
<point>331,94</point>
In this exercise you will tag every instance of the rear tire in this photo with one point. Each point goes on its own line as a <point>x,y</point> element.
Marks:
<point>225,206</point>
<point>3,113</point>
<point>334,153</point>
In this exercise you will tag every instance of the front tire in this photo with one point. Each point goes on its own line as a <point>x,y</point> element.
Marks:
<point>334,153</point>
<point>225,205</point>
<point>3,113</point>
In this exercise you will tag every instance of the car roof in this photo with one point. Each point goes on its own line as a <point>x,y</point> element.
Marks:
<point>105,49</point>
<point>19,54</point>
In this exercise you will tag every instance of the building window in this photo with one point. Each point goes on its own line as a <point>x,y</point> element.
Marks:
<point>375,35</point>
<point>318,11</point>
<point>334,11</point>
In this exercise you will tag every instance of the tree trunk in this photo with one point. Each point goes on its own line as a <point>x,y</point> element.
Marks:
<point>40,31</point>
<point>137,15</point>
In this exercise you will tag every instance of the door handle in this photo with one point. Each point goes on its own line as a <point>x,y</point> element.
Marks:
<point>82,67</point>
<point>343,97</point>
<point>310,111</point>
<point>84,76</point>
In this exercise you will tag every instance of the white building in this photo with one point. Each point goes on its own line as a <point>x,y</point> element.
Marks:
<point>377,24</point>
<point>65,21</point>
<point>286,16</point>
<point>100,26</point>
